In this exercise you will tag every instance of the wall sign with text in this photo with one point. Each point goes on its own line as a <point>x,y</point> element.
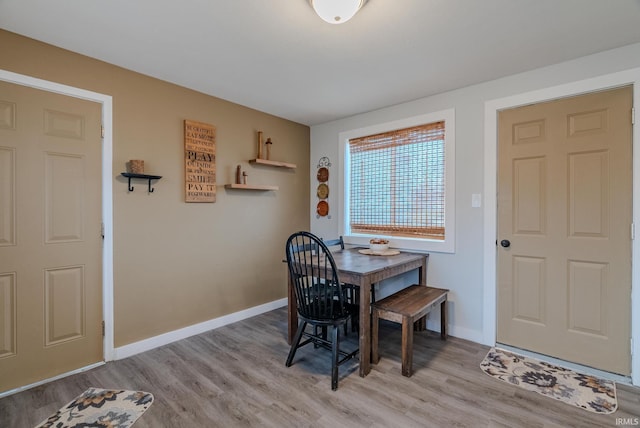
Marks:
<point>199,162</point>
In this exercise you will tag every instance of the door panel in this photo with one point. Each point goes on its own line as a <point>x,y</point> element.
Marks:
<point>529,195</point>
<point>7,196</point>
<point>64,304</point>
<point>7,314</point>
<point>564,203</point>
<point>529,289</point>
<point>587,288</point>
<point>64,198</point>
<point>589,194</point>
<point>50,242</point>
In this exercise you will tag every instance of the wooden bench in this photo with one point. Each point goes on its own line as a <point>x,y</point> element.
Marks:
<point>407,306</point>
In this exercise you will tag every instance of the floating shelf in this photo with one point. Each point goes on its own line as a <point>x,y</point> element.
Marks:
<point>148,177</point>
<point>249,187</point>
<point>273,163</point>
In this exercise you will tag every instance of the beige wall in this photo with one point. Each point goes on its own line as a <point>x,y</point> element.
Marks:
<point>177,264</point>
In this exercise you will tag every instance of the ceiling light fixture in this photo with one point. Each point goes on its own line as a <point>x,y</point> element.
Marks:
<point>337,11</point>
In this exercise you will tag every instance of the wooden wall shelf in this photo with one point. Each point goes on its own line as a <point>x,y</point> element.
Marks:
<point>249,187</point>
<point>273,163</point>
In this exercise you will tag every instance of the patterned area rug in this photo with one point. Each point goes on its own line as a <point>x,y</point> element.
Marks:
<point>101,408</point>
<point>584,391</point>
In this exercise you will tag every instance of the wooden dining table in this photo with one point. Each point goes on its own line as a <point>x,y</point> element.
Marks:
<point>364,271</point>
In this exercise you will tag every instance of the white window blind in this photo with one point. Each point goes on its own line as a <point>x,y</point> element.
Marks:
<point>397,182</point>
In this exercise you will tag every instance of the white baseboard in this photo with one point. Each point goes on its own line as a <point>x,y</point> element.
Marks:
<point>173,336</point>
<point>51,379</point>
<point>466,334</point>
<point>459,332</point>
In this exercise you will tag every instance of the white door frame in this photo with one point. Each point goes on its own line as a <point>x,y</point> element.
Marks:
<point>107,191</point>
<point>491,109</point>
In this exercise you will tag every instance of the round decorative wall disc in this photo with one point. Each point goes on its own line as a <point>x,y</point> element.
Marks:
<point>323,174</point>
<point>323,191</point>
<point>322,208</point>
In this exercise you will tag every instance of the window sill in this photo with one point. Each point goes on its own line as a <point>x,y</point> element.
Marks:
<point>406,244</point>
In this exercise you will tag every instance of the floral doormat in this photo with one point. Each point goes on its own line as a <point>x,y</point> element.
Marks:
<point>101,408</point>
<point>584,391</point>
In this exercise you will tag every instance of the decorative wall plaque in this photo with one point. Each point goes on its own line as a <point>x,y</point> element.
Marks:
<point>323,174</point>
<point>199,162</point>
<point>322,209</point>
<point>323,191</point>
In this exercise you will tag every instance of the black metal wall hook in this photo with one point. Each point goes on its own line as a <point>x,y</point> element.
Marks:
<point>148,177</point>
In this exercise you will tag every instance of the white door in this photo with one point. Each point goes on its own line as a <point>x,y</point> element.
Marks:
<point>50,240</point>
<point>564,229</point>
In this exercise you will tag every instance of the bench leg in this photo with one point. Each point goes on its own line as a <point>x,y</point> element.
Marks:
<point>375,357</point>
<point>407,346</point>
<point>443,320</point>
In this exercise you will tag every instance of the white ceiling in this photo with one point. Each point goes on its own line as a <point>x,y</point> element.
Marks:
<point>277,56</point>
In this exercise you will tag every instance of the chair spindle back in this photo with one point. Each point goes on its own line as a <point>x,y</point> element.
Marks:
<point>318,291</point>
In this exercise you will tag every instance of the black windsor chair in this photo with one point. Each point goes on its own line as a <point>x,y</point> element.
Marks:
<point>338,242</point>
<point>320,298</point>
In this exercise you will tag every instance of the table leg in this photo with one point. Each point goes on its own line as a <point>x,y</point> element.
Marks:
<point>365,327</point>
<point>422,273</point>
<point>375,355</point>
<point>443,320</point>
<point>292,310</point>
<point>421,324</point>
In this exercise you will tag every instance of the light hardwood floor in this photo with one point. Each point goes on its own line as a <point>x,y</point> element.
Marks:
<point>235,376</point>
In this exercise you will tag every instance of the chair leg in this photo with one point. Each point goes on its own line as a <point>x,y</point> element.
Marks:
<point>335,346</point>
<point>296,342</point>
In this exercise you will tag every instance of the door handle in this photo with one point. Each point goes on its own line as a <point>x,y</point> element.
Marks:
<point>505,243</point>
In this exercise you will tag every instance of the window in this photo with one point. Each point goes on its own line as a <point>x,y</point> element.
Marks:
<point>398,183</point>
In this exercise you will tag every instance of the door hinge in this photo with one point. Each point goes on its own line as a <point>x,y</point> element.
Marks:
<point>102,230</point>
<point>633,115</point>
<point>633,231</point>
<point>102,131</point>
<point>102,328</point>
